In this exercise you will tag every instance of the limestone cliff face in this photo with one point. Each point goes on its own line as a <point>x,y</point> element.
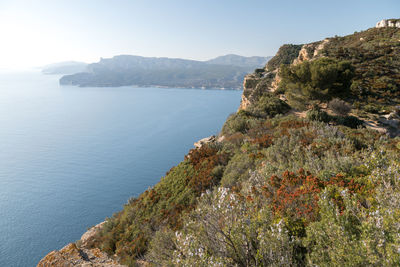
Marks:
<point>310,51</point>
<point>267,79</point>
<point>79,254</point>
<point>249,84</point>
<point>255,84</point>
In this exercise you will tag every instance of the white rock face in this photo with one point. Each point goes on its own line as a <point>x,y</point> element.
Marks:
<point>388,23</point>
<point>381,24</point>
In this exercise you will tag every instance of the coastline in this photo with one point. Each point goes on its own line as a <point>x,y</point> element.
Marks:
<point>80,254</point>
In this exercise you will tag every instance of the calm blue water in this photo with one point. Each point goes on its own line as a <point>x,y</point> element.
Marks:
<point>69,157</point>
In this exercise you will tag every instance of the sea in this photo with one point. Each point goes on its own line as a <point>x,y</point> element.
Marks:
<point>72,156</point>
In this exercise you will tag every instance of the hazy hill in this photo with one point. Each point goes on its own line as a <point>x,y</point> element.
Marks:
<point>66,67</point>
<point>236,60</point>
<point>168,72</point>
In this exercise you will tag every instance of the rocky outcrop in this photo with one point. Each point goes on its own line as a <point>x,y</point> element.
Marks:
<point>260,82</point>
<point>255,84</point>
<point>80,254</point>
<point>204,141</point>
<point>249,84</point>
<point>388,23</point>
<point>267,79</point>
<point>71,255</point>
<point>244,103</point>
<point>304,54</point>
<point>310,51</point>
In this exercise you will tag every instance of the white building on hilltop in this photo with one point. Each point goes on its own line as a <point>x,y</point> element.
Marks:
<point>388,23</point>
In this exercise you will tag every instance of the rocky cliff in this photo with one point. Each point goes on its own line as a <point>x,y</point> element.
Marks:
<point>267,79</point>
<point>257,144</point>
<point>79,254</point>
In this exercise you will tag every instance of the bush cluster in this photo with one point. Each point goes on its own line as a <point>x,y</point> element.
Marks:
<point>268,106</point>
<point>286,54</point>
<point>319,79</point>
<point>340,107</point>
<point>349,121</point>
<point>374,54</point>
<point>316,114</point>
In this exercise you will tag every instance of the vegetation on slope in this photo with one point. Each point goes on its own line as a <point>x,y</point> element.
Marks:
<point>278,189</point>
<point>129,231</point>
<point>372,59</point>
<point>290,182</point>
<point>286,54</point>
<point>375,55</point>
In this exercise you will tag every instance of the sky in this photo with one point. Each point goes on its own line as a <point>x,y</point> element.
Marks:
<point>36,33</point>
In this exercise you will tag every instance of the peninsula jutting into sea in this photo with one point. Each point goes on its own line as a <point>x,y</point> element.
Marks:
<point>225,72</point>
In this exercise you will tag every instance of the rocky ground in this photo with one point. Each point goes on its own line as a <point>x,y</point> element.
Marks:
<point>79,254</point>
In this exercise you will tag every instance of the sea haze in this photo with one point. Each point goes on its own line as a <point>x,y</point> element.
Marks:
<point>69,156</point>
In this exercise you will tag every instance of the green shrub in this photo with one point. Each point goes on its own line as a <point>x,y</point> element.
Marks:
<point>359,230</point>
<point>349,121</point>
<point>228,230</point>
<point>286,54</point>
<point>268,106</point>
<point>357,88</point>
<point>237,170</point>
<point>340,107</point>
<point>320,79</point>
<point>322,149</point>
<point>259,71</point>
<point>318,115</point>
<point>235,123</point>
<point>372,108</point>
<point>162,247</point>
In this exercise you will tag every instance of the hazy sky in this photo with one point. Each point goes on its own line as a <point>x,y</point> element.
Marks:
<point>34,33</point>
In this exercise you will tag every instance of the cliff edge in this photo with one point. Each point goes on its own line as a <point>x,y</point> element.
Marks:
<point>79,254</point>
<point>293,175</point>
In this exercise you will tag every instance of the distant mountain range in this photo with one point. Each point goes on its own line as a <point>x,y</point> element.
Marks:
<point>240,61</point>
<point>124,70</point>
<point>66,67</point>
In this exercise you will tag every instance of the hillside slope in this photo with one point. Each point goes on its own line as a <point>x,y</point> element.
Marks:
<point>296,177</point>
<point>67,67</point>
